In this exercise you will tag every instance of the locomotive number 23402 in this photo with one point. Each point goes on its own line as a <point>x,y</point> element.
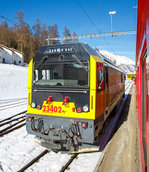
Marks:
<point>51,109</point>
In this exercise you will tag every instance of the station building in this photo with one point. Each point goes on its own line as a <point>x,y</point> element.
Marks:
<point>11,56</point>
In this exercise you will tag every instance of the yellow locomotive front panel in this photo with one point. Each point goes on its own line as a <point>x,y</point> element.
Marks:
<point>66,108</point>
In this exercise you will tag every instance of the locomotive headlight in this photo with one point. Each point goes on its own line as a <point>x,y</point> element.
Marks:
<point>85,108</point>
<point>33,105</point>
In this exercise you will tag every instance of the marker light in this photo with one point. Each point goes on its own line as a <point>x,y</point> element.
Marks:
<point>80,137</point>
<point>33,105</point>
<point>79,110</point>
<point>73,109</point>
<point>85,108</point>
<point>84,124</point>
<point>49,99</point>
<point>66,100</point>
<point>38,107</point>
<point>30,119</point>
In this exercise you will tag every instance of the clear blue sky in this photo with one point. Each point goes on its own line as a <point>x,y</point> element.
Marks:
<point>68,13</point>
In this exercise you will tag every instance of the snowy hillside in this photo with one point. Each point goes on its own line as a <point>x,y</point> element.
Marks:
<point>13,81</point>
<point>122,62</point>
<point>129,68</point>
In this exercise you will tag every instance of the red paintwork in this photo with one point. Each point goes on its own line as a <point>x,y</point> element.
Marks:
<point>142,48</point>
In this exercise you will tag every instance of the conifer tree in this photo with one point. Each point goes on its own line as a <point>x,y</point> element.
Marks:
<point>44,35</point>
<point>4,33</point>
<point>22,34</point>
<point>37,33</point>
<point>53,33</point>
<point>67,33</point>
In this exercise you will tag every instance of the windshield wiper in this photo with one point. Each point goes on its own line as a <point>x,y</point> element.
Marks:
<point>42,61</point>
<point>84,67</point>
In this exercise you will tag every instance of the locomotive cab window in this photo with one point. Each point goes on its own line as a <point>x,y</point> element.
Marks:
<point>100,77</point>
<point>63,74</point>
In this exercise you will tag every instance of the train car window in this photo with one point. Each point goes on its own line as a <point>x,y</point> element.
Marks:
<point>122,78</point>
<point>100,77</point>
<point>64,74</point>
<point>107,77</point>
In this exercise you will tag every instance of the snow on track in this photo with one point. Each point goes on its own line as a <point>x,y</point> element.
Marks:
<point>12,111</point>
<point>17,148</point>
<point>12,100</point>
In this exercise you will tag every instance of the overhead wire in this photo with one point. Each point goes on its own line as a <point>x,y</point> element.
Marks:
<point>88,16</point>
<point>9,20</point>
<point>85,12</point>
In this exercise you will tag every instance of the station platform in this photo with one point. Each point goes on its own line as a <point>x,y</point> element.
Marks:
<point>122,154</point>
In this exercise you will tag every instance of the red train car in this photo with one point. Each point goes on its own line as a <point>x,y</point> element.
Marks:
<point>142,79</point>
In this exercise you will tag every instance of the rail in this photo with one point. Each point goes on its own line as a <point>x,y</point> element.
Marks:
<point>33,161</point>
<point>13,126</point>
<point>11,105</point>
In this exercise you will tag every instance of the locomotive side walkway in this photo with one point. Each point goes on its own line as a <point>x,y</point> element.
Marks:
<point>122,153</point>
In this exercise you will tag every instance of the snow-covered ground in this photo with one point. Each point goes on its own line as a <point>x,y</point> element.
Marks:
<point>18,148</point>
<point>13,82</point>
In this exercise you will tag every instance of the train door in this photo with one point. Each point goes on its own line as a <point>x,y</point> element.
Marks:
<point>100,99</point>
<point>143,122</point>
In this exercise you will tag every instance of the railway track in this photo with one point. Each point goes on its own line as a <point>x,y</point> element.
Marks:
<point>33,161</point>
<point>10,125</point>
<point>69,162</point>
<point>44,153</point>
<point>12,105</point>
